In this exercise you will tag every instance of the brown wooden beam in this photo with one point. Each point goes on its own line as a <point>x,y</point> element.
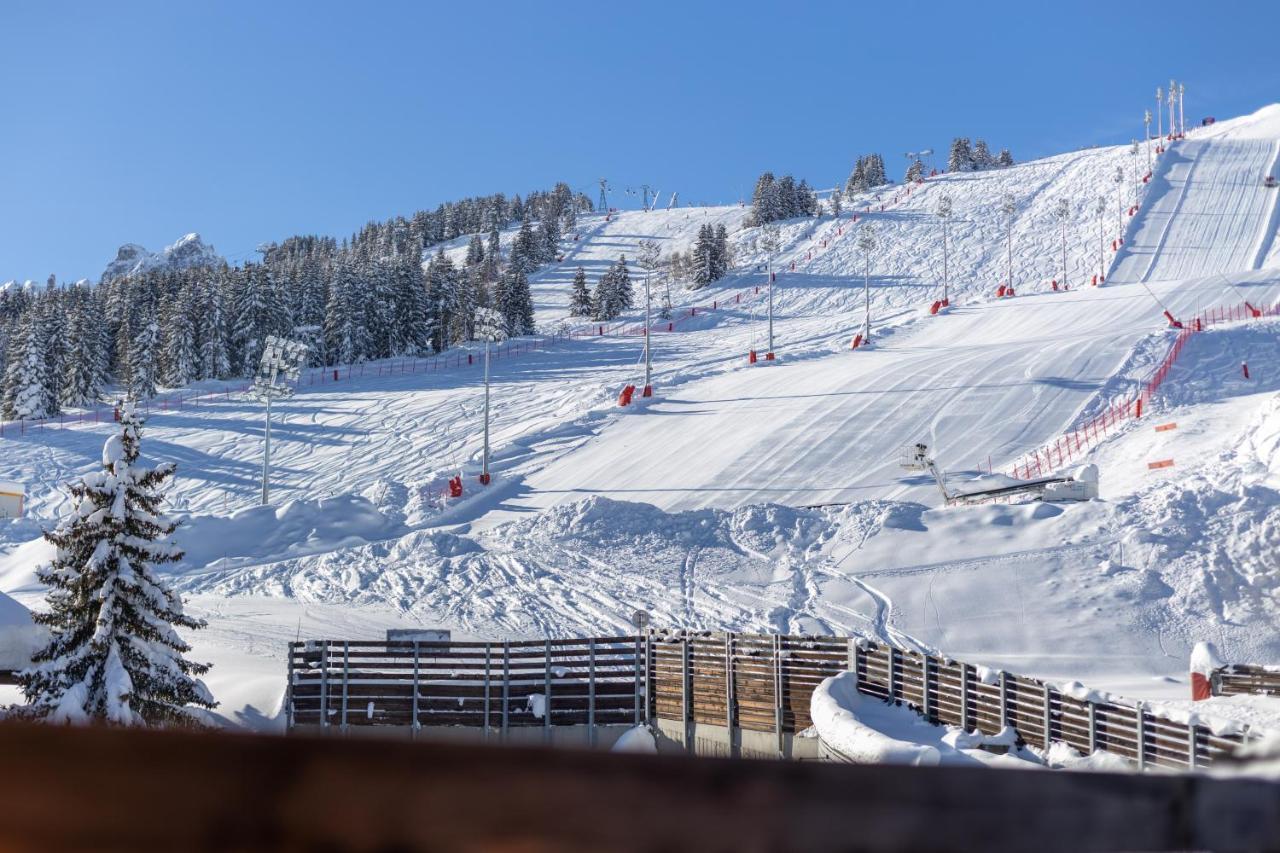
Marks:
<point>91,788</point>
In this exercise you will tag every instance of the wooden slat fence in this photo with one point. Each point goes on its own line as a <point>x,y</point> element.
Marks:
<point>752,682</point>
<point>1241,679</point>
<point>494,686</point>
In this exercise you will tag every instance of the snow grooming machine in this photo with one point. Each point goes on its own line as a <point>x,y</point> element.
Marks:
<point>1080,486</point>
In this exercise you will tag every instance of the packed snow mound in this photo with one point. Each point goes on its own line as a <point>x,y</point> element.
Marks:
<point>862,729</point>
<point>267,533</point>
<point>576,569</point>
<point>188,252</point>
<point>19,635</point>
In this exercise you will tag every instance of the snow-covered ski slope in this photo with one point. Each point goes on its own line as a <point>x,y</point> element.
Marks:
<point>1207,212</point>
<point>357,464</point>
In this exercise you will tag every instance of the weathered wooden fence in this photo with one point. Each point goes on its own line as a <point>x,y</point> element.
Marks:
<point>492,686</point>
<point>1241,678</point>
<point>683,680</point>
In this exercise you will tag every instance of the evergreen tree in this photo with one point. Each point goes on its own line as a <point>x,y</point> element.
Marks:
<point>915,172</point>
<point>142,361</point>
<point>25,392</point>
<point>443,285</point>
<point>525,251</point>
<point>982,158</point>
<point>960,158</point>
<point>475,251</point>
<point>857,178</point>
<point>580,298</point>
<point>215,363</point>
<point>81,383</point>
<point>114,655</point>
<point>548,240</point>
<point>515,302</point>
<point>1005,159</point>
<point>181,360</point>
<point>764,200</point>
<point>720,242</point>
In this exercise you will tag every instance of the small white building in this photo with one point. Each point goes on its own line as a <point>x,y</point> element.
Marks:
<point>11,495</point>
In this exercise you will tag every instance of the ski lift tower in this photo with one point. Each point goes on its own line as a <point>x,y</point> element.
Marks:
<point>278,372</point>
<point>491,327</point>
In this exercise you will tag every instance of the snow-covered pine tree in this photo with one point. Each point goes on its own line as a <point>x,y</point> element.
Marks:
<point>143,368</point>
<point>704,251</point>
<point>1005,159</point>
<point>442,297</point>
<point>982,158</point>
<point>915,172</point>
<point>525,252</point>
<point>875,171</point>
<point>580,297</point>
<point>475,251</point>
<point>516,302</point>
<point>215,363</point>
<point>764,200</point>
<point>181,360</point>
<point>413,319</point>
<point>723,257</point>
<point>834,203</point>
<point>622,291</point>
<point>25,394</point>
<point>548,239</point>
<point>960,158</point>
<point>857,178</point>
<point>115,656</point>
<point>82,370</point>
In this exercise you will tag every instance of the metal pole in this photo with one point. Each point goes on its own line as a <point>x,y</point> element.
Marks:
<point>648,337</point>
<point>1009,241</point>
<point>266,453</point>
<point>769,269</point>
<point>1146,129</point>
<point>484,458</point>
<point>1064,253</point>
<point>1159,113</point>
<point>1182,116</point>
<point>866,298</point>
<point>945,300</point>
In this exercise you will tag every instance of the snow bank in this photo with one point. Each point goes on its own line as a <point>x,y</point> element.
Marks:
<point>267,533</point>
<point>19,635</point>
<point>865,730</point>
<point>638,739</point>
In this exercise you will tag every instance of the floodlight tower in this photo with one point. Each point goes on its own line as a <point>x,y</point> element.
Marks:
<point>491,327</point>
<point>1118,177</point>
<point>1008,207</point>
<point>943,211</point>
<point>770,242</point>
<point>1182,116</point>
<point>1101,210</point>
<point>281,364</point>
<point>1063,212</point>
<point>1133,149</point>
<point>867,245</point>
<point>1172,99</point>
<point>1159,113</point>
<point>1146,123</point>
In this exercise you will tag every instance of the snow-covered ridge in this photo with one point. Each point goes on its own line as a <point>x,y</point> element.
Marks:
<point>187,252</point>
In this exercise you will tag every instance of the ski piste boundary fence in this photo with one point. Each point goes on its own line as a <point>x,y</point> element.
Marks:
<point>679,680</point>
<point>1075,442</point>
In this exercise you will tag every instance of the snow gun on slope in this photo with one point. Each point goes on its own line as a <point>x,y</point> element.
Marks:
<point>1082,485</point>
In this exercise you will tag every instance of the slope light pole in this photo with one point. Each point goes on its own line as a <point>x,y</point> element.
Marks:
<point>281,365</point>
<point>1182,116</point>
<point>1146,126</point>
<point>1009,207</point>
<point>770,241</point>
<point>648,338</point>
<point>944,213</point>
<point>1063,211</point>
<point>1118,177</point>
<point>1172,97</point>
<point>1159,113</point>
<point>867,245</point>
<point>1101,210</point>
<point>491,327</point>
<point>1133,149</point>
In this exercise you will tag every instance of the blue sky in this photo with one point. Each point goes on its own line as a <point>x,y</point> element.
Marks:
<point>251,121</point>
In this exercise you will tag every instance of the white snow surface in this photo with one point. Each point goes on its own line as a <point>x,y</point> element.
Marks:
<point>770,498</point>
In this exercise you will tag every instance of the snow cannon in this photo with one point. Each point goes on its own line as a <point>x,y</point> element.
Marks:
<point>1173,322</point>
<point>1205,666</point>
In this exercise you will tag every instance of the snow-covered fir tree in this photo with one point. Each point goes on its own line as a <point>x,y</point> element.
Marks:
<point>580,296</point>
<point>114,655</point>
<point>982,157</point>
<point>515,302</point>
<point>26,380</point>
<point>143,369</point>
<point>960,158</point>
<point>915,172</point>
<point>1004,159</point>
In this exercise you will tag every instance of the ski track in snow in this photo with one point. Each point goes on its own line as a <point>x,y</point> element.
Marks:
<point>685,504</point>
